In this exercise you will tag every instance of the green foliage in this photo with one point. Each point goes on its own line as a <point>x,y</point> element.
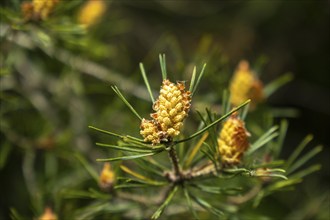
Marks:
<point>54,77</point>
<point>206,150</point>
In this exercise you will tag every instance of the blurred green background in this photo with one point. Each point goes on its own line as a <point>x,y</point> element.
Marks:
<point>56,82</point>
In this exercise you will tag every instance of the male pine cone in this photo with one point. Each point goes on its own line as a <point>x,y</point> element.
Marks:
<point>171,108</point>
<point>38,9</point>
<point>233,141</point>
<point>107,177</point>
<point>245,85</point>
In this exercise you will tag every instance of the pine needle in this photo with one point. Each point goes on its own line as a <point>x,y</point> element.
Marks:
<point>120,95</point>
<point>196,149</point>
<point>214,123</point>
<point>145,78</point>
<point>160,210</point>
<point>162,61</point>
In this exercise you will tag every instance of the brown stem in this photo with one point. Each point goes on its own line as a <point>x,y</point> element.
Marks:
<point>206,170</point>
<point>177,175</point>
<point>186,175</point>
<point>175,162</point>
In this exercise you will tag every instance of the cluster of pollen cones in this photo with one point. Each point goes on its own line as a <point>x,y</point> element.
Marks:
<point>171,108</point>
<point>233,141</point>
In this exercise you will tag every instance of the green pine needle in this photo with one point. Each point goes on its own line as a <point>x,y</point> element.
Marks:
<point>282,184</point>
<point>155,163</point>
<point>129,149</point>
<point>190,206</point>
<point>88,167</point>
<point>4,154</point>
<point>258,199</point>
<point>304,159</point>
<point>130,157</point>
<point>208,153</point>
<point>208,206</point>
<point>147,166</point>
<point>120,95</point>
<point>218,190</point>
<point>273,86</point>
<point>160,210</point>
<point>162,61</point>
<point>244,112</point>
<point>131,185</point>
<point>213,131</point>
<point>106,132</point>
<point>145,78</point>
<point>79,194</point>
<point>299,149</point>
<point>213,123</point>
<point>192,81</point>
<point>14,215</point>
<point>149,182</point>
<point>198,80</point>
<point>194,150</point>
<point>307,171</point>
<point>264,139</point>
<point>225,101</point>
<point>282,133</point>
<point>129,138</point>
